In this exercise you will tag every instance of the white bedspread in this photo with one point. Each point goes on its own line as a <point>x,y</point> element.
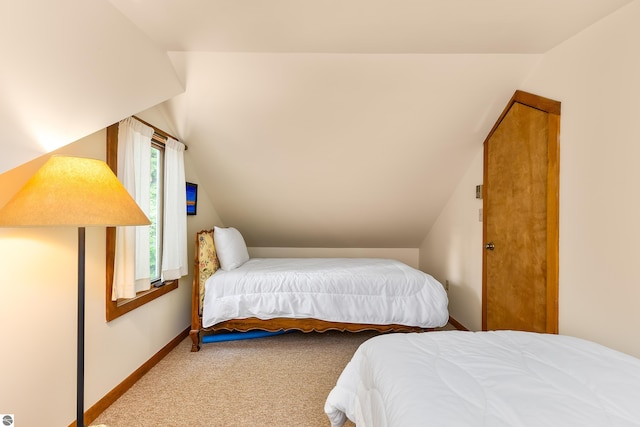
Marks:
<point>495,379</point>
<point>354,290</point>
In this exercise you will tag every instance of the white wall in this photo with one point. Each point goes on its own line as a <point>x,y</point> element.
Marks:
<point>38,310</point>
<point>407,255</point>
<point>596,76</point>
<point>452,250</point>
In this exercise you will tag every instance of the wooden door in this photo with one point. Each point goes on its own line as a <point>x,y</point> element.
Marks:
<point>520,228</point>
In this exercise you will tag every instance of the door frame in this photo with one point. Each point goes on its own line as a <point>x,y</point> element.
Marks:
<point>552,108</point>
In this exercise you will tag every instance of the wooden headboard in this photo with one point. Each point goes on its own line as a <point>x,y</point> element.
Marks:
<point>205,264</point>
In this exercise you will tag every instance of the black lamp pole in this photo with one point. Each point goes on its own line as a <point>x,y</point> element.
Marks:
<point>80,339</point>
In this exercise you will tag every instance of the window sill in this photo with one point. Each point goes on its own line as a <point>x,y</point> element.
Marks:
<point>116,309</point>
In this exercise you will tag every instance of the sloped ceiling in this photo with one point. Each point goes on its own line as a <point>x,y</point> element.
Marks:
<point>70,68</point>
<point>345,123</point>
<point>364,26</point>
<point>332,150</point>
<point>312,123</point>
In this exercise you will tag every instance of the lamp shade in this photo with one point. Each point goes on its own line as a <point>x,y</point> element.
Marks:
<point>72,191</point>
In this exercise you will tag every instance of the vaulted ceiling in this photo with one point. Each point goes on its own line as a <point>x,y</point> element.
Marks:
<point>317,123</point>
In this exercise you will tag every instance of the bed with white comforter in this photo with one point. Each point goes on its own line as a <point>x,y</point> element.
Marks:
<point>502,378</point>
<point>233,292</point>
<point>349,290</point>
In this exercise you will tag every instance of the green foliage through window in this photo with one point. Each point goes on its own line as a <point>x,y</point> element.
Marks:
<point>154,213</point>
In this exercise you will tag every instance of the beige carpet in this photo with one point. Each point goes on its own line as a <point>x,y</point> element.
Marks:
<point>279,381</point>
<point>276,381</point>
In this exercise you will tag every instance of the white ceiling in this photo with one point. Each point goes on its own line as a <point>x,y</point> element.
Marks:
<point>331,150</point>
<point>317,123</point>
<point>345,123</point>
<point>364,26</point>
<point>70,68</point>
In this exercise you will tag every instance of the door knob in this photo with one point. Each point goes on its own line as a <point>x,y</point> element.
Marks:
<point>490,246</point>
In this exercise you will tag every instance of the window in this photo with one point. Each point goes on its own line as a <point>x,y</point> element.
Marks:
<point>114,309</point>
<point>155,213</point>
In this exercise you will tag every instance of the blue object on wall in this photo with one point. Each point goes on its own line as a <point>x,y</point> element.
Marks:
<point>192,198</point>
<point>235,336</point>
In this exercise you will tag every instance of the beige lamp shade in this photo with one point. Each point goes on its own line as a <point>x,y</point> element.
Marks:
<point>72,191</point>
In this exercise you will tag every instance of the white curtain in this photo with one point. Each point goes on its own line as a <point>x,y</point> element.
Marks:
<point>132,263</point>
<point>174,245</point>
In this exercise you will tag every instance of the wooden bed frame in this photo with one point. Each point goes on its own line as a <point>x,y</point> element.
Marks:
<point>206,263</point>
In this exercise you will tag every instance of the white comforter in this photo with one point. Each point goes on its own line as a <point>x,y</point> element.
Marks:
<point>353,290</point>
<point>504,378</point>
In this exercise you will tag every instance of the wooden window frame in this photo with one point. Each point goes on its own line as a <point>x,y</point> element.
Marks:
<point>115,309</point>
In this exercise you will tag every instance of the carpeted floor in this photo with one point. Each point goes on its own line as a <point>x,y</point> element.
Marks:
<point>266,382</point>
<point>278,381</point>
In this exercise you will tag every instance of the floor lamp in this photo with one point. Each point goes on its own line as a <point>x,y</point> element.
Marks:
<point>78,192</point>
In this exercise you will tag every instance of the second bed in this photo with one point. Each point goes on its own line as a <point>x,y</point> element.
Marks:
<point>309,294</point>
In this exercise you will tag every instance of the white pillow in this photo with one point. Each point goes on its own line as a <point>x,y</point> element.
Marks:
<point>230,247</point>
